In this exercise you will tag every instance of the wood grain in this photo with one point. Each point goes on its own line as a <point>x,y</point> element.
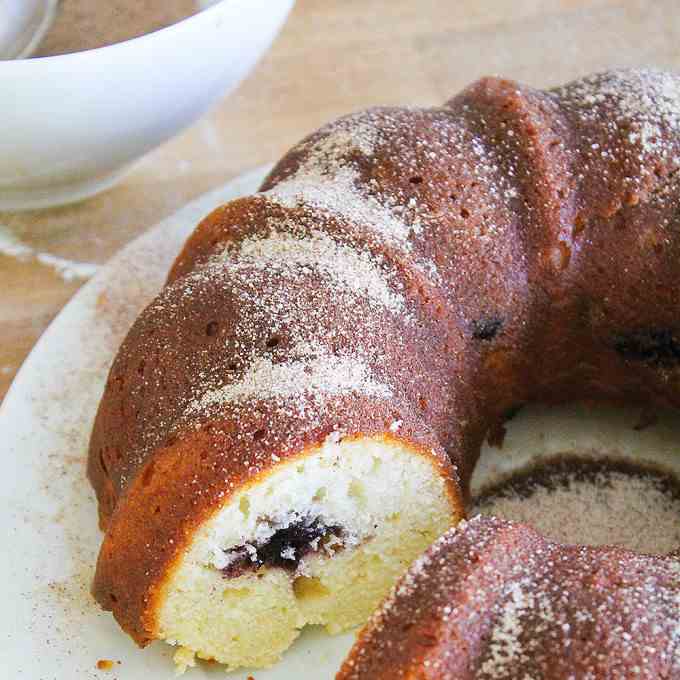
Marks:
<point>332,57</point>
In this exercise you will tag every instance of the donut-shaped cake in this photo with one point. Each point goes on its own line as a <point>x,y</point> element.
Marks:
<point>297,415</point>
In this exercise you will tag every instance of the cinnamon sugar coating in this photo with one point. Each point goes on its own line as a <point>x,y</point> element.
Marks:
<point>494,600</point>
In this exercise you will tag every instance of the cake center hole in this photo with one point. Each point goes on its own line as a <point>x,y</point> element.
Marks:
<point>580,499</point>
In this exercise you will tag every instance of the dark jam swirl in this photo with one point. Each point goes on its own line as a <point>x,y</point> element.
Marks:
<point>284,549</point>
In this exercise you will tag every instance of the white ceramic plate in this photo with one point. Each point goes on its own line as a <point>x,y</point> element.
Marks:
<point>50,627</point>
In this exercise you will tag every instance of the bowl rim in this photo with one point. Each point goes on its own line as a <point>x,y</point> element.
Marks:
<point>178,26</point>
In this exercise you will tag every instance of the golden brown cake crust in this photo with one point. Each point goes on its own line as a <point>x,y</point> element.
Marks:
<point>430,269</point>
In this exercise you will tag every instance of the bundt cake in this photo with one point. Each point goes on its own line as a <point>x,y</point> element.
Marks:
<point>297,414</point>
<point>494,600</point>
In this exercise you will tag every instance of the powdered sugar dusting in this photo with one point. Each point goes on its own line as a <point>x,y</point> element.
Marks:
<point>505,647</point>
<point>646,101</point>
<point>320,374</point>
<point>335,191</point>
<point>284,334</point>
<point>354,269</point>
<point>328,179</point>
<point>501,600</point>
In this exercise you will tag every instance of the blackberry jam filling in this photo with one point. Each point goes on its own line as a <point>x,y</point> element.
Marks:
<point>285,548</point>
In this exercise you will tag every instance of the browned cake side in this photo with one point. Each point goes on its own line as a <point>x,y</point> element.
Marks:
<point>526,248</point>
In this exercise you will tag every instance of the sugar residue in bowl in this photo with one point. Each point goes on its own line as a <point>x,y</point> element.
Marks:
<point>85,25</point>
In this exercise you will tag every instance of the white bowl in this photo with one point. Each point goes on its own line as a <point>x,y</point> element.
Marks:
<point>23,24</point>
<point>71,125</point>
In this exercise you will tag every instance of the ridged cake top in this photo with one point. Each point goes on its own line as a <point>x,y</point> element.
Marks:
<point>631,118</point>
<point>316,371</point>
<point>326,180</point>
<point>352,268</point>
<point>643,102</point>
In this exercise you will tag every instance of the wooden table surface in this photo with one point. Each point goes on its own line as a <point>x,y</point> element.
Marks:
<point>333,56</point>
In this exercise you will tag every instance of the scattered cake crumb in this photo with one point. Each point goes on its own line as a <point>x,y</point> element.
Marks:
<point>105,664</point>
<point>184,658</point>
